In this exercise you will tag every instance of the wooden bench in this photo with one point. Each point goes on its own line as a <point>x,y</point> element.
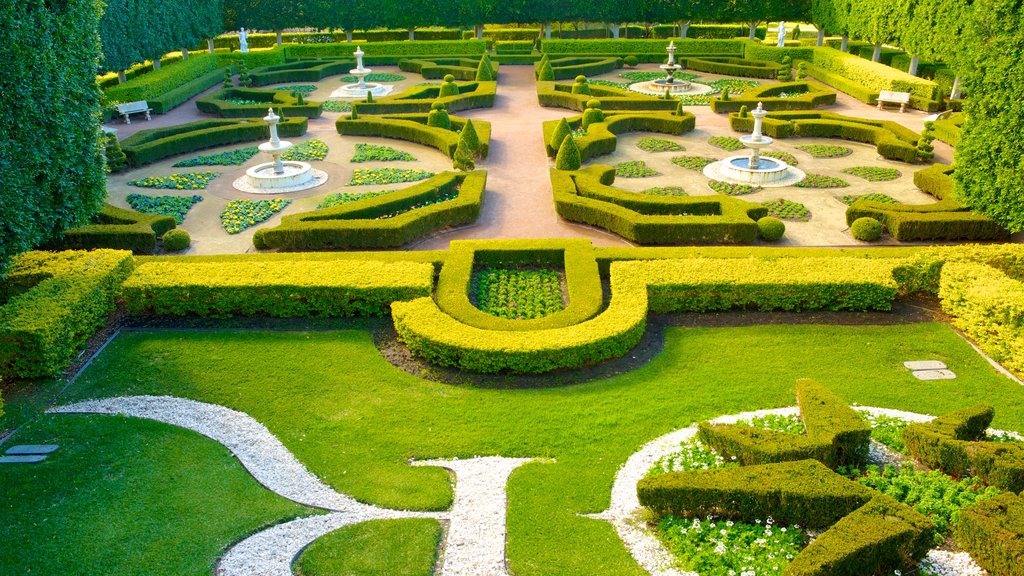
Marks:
<point>890,97</point>
<point>138,107</point>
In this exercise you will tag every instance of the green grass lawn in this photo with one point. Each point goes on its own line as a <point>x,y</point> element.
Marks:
<point>384,547</point>
<point>355,421</point>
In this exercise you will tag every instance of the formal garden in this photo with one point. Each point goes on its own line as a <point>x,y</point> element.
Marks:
<point>409,289</point>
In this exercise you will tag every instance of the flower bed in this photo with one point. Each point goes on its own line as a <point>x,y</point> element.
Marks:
<point>873,173</point>
<point>338,106</point>
<point>658,145</point>
<point>784,156</point>
<point>241,214</point>
<point>229,158</point>
<point>634,169</point>
<point>518,294</point>
<point>242,101</point>
<point>821,181</point>
<point>304,89</point>
<point>642,76</point>
<point>727,143</point>
<point>717,546</point>
<point>787,210</point>
<point>185,181</point>
<point>732,189</point>
<point>339,198</point>
<point>374,77</point>
<point>609,83</point>
<point>697,163</point>
<point>176,207</point>
<point>377,153</point>
<point>445,197</point>
<point>849,199</point>
<point>378,176</point>
<point>666,191</point>
<point>825,150</point>
<point>309,150</point>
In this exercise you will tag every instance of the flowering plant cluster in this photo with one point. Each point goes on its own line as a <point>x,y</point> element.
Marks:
<point>716,547</point>
<point>377,176</point>
<point>821,181</point>
<point>518,294</point>
<point>726,143</point>
<point>229,158</point>
<point>377,153</point>
<point>787,210</point>
<point>174,206</point>
<point>730,189</point>
<point>692,162</point>
<point>634,169</point>
<point>666,191</point>
<point>658,145</point>
<point>849,199</point>
<point>339,198</point>
<point>186,181</point>
<point>825,150</point>
<point>872,173</point>
<point>241,214</point>
<point>307,151</point>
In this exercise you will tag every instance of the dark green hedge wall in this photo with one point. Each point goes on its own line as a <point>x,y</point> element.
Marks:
<point>133,31</point>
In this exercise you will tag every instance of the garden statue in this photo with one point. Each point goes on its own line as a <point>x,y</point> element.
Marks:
<point>782,34</point>
<point>243,41</point>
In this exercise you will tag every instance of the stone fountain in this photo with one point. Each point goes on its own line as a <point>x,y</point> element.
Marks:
<point>673,85</point>
<point>279,176</point>
<point>360,88</point>
<point>755,170</point>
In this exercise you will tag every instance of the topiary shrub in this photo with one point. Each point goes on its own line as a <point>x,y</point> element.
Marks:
<point>801,71</point>
<point>631,61</point>
<point>725,94</point>
<point>744,112</point>
<point>228,83</point>
<point>771,229</point>
<point>560,133</point>
<point>176,240</point>
<point>448,88</point>
<point>568,157</point>
<point>580,86</point>
<point>679,109</point>
<point>546,73</point>
<point>471,138</point>
<point>116,159</point>
<point>796,32</point>
<point>925,150</point>
<point>485,70</point>
<point>463,157</point>
<point>369,97</point>
<point>593,114</point>
<point>438,116</point>
<point>866,229</point>
<point>785,73</point>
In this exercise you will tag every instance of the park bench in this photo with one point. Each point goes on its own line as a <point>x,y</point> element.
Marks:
<point>890,97</point>
<point>125,110</point>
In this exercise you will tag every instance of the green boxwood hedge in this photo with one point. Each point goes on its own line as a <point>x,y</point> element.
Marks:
<point>948,129</point>
<point>734,67</point>
<point>390,50</point>
<point>419,99</point>
<point>864,79</point>
<point>148,146</point>
<point>811,96</point>
<point>64,298</point>
<point>437,68</point>
<point>575,66</point>
<point>625,47</point>
<point>281,101</point>
<point>300,71</point>
<point>413,127</point>
<point>946,219</point>
<point>286,289</point>
<point>992,532</point>
<point>555,95</point>
<point>158,82</point>
<point>601,137</point>
<point>116,228</point>
<point>369,223</point>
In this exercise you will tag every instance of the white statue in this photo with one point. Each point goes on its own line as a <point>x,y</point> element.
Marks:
<point>782,34</point>
<point>243,41</point>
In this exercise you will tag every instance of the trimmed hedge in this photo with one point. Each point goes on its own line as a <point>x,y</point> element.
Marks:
<point>437,68</point>
<point>864,79</point>
<point>948,129</point>
<point>159,82</point>
<point>573,67</point>
<point>812,96</point>
<point>987,304</point>
<point>117,228</point>
<point>404,49</point>
<point>148,146</point>
<point>946,219</point>
<point>555,95</point>
<point>300,71</point>
<point>419,99</point>
<point>992,531</point>
<point>772,53</point>
<point>413,127</point>
<point>954,444</point>
<point>624,47</point>
<point>587,196</point>
<point>575,256</point>
<point>734,67</point>
<point>367,223</point>
<point>601,137</point>
<point>836,434</point>
<point>175,97</point>
<point>279,288</point>
<point>63,299</point>
<point>281,101</point>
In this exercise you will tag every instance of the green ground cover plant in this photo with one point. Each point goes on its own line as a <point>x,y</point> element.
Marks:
<point>873,173</point>
<point>378,153</point>
<point>787,210</point>
<point>730,189</point>
<point>888,430</point>
<point>727,143</point>
<point>634,169</point>
<point>337,106</point>
<point>184,181</point>
<point>242,101</point>
<point>406,547</point>
<point>722,547</point>
<point>290,382</point>
<point>374,77</point>
<point>241,214</point>
<point>645,76</point>
<point>176,207</point>
<point>784,156</point>
<point>307,151</point>
<point>849,199</point>
<point>609,83</point>
<point>441,198</point>
<point>378,176</point>
<point>304,89</point>
<point>697,163</point>
<point>518,294</point>
<point>666,191</point>
<point>229,158</point>
<point>825,150</point>
<point>821,181</point>
<point>658,145</point>
<point>339,198</point>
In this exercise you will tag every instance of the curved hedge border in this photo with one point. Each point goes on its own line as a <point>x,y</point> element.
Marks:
<point>735,67</point>
<point>119,229</point>
<point>280,100</point>
<point>946,219</point>
<point>587,196</point>
<point>893,140</point>
<point>813,95</point>
<point>601,137</point>
<point>360,224</point>
<point>420,98</point>
<point>554,95</point>
<point>437,68</point>
<point>987,304</point>
<point>58,301</point>
<point>148,146</point>
<point>573,67</point>
<point>576,256</point>
<point>948,129</point>
<point>413,128</point>
<point>392,51</point>
<point>641,48</point>
<point>299,71</point>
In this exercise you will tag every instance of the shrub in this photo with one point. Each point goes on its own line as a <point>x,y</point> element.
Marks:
<point>545,73</point>
<point>389,52</point>
<point>176,240</point>
<point>223,103</point>
<point>148,146</point>
<point>992,531</point>
<point>580,86</point>
<point>925,150</point>
<point>772,97</point>
<point>448,87</point>
<point>438,117</point>
<point>631,61</point>
<point>116,228</point>
<point>734,67</point>
<point>593,114</point>
<point>471,138</point>
<point>560,133</point>
<point>770,229</point>
<point>485,70</point>
<point>116,159</point>
<point>415,128</point>
<point>568,157</point>
<point>418,99</point>
<point>866,229</point>
<point>464,157</point>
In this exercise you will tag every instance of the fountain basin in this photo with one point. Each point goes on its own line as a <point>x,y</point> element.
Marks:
<point>678,88</point>
<point>295,176</point>
<point>769,173</point>
<point>357,91</point>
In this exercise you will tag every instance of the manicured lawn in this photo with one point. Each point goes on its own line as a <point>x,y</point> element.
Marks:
<point>393,547</point>
<point>355,420</point>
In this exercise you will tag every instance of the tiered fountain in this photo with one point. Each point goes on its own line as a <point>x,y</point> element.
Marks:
<point>753,169</point>
<point>670,83</point>
<point>279,176</point>
<point>360,88</point>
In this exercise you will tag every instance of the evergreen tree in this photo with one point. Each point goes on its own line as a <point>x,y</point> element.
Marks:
<point>561,132</point>
<point>568,157</point>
